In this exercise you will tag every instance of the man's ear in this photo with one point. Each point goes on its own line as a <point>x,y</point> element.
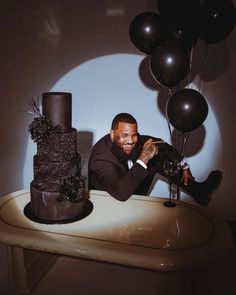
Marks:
<point>112,135</point>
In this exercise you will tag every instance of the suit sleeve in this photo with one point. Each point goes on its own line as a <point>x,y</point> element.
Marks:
<point>168,152</point>
<point>113,178</point>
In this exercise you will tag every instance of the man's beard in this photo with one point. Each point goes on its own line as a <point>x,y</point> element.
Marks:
<point>122,156</point>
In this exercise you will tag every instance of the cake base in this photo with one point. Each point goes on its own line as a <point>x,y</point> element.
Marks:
<point>47,206</point>
<point>87,209</point>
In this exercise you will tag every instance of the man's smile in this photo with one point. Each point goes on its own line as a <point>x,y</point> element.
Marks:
<point>128,147</point>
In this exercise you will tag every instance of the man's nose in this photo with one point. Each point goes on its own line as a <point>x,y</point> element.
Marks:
<point>130,139</point>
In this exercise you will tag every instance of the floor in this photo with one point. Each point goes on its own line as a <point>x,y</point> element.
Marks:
<point>71,276</point>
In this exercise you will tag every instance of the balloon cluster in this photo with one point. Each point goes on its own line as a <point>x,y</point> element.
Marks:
<point>169,36</point>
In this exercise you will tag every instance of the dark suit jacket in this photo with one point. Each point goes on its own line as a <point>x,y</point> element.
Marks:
<point>108,173</point>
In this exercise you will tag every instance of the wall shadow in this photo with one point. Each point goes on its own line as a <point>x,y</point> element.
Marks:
<point>194,142</point>
<point>84,145</point>
<point>146,75</point>
<point>209,62</point>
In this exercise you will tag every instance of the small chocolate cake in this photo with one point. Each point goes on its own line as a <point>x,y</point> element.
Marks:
<point>58,189</point>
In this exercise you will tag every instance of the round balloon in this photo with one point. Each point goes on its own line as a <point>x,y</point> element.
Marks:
<point>186,110</point>
<point>169,64</point>
<point>179,34</point>
<point>217,20</point>
<point>145,31</point>
<point>180,21</point>
<point>166,7</point>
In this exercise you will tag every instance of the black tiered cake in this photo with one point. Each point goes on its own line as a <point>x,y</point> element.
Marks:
<point>58,189</point>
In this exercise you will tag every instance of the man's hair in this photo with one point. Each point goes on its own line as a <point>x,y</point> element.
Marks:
<point>122,117</point>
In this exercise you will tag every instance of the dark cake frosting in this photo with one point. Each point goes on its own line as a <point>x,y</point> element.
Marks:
<point>46,206</point>
<point>57,107</point>
<point>48,175</point>
<point>57,159</point>
<point>60,147</point>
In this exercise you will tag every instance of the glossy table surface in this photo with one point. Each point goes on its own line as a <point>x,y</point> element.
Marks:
<point>140,232</point>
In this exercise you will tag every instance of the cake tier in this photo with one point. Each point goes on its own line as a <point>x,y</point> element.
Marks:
<point>60,147</point>
<point>57,107</point>
<point>48,175</point>
<point>45,205</point>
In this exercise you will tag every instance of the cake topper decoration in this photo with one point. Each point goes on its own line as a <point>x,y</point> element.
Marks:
<point>41,127</point>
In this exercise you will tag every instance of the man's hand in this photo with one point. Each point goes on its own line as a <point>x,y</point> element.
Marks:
<point>149,150</point>
<point>187,175</point>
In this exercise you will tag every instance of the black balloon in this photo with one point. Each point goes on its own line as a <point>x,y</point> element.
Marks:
<point>217,20</point>
<point>169,65</point>
<point>180,21</point>
<point>186,110</point>
<point>179,34</point>
<point>167,7</point>
<point>145,31</point>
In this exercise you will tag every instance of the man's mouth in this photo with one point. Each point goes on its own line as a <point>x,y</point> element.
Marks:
<point>128,147</point>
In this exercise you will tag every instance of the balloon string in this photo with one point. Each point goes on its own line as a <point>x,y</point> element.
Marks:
<point>178,140</point>
<point>203,66</point>
<point>184,143</point>
<point>168,122</point>
<point>190,65</point>
<point>169,126</point>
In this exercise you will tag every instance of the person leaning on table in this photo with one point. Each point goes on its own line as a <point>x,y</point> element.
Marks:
<point>124,162</point>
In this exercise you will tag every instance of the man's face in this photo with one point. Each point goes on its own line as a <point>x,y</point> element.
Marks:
<point>125,137</point>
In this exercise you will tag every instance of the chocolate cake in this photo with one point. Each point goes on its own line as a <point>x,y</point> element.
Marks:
<point>58,189</point>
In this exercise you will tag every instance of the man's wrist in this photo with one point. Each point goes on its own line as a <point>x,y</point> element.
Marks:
<point>144,157</point>
<point>141,163</point>
<point>185,166</point>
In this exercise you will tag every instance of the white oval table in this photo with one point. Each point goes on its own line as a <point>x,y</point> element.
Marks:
<point>140,232</point>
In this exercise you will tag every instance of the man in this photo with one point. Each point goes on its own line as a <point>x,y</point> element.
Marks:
<point>124,163</point>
